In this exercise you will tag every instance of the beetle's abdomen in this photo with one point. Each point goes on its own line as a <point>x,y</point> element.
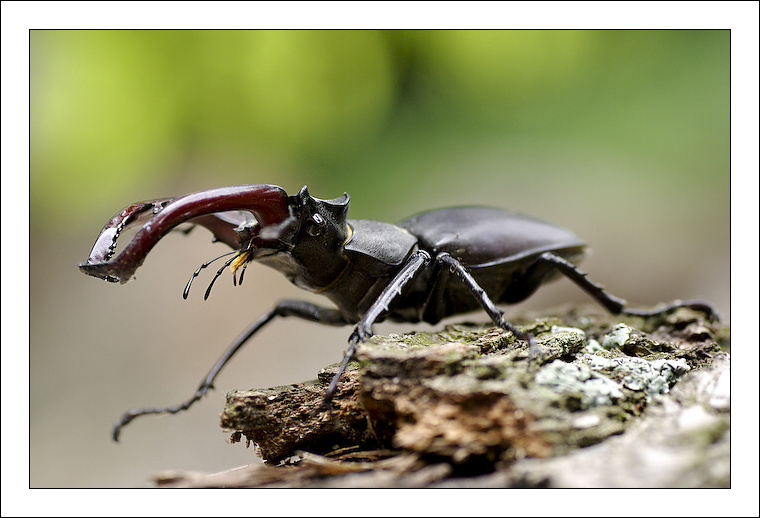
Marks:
<point>499,248</point>
<point>479,236</point>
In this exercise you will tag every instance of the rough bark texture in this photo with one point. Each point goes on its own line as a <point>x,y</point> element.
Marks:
<point>613,402</point>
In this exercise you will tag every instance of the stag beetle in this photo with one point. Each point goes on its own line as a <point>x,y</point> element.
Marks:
<point>425,268</point>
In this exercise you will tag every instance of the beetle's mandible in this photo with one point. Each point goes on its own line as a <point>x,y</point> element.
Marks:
<point>425,268</point>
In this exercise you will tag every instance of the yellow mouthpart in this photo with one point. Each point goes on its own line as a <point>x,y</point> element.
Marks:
<point>241,259</point>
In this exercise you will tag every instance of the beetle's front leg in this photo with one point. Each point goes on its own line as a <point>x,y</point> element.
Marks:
<point>286,308</point>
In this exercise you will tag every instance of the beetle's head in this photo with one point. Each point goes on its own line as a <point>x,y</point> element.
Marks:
<point>300,236</point>
<point>307,247</point>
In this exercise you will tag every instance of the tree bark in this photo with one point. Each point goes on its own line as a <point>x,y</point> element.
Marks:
<point>612,402</point>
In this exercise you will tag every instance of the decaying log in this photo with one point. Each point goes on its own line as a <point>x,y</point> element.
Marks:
<point>467,407</point>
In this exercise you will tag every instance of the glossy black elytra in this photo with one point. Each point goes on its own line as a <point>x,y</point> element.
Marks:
<point>425,268</point>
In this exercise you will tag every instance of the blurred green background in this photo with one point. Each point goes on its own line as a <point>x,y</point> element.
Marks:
<point>622,136</point>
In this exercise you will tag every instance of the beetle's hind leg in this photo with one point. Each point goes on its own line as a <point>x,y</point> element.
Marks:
<point>614,304</point>
<point>494,312</point>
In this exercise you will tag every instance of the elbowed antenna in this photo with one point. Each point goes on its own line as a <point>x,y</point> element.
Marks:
<point>268,203</point>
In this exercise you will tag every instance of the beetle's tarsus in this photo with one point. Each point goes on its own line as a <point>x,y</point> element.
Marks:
<point>696,305</point>
<point>325,406</point>
<point>535,351</point>
<point>285,308</point>
<point>333,386</point>
<point>137,412</point>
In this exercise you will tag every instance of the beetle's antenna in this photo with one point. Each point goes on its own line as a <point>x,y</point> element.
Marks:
<point>198,271</point>
<point>219,272</point>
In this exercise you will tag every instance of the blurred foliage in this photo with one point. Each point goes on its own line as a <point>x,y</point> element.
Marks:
<point>112,111</point>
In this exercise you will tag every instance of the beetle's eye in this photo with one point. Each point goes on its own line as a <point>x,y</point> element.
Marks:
<point>316,225</point>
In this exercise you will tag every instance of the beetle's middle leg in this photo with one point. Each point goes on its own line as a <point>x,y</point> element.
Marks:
<point>480,294</point>
<point>285,308</point>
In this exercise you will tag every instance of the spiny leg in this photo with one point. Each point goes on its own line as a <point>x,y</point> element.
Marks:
<point>363,330</point>
<point>480,294</point>
<point>286,308</point>
<point>614,304</point>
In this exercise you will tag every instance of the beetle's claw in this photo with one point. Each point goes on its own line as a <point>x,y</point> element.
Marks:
<point>696,305</point>
<point>703,307</point>
<point>324,406</point>
<point>215,209</point>
<point>535,351</point>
